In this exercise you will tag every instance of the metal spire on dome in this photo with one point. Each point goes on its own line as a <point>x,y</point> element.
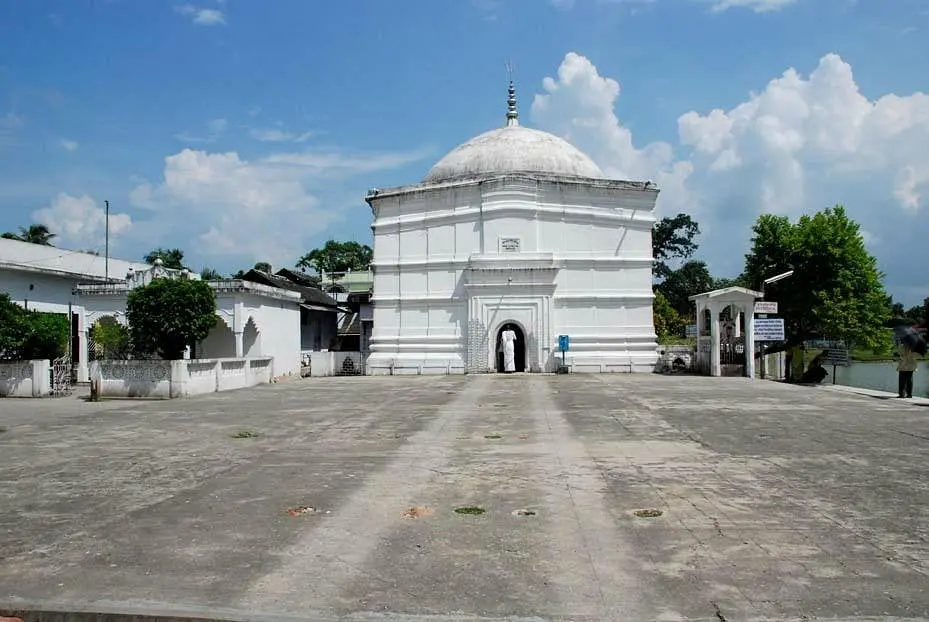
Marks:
<point>512,114</point>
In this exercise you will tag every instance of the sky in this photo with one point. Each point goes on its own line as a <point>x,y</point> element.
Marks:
<point>247,130</point>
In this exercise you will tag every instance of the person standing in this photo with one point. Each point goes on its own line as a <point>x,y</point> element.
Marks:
<point>905,368</point>
<point>509,350</point>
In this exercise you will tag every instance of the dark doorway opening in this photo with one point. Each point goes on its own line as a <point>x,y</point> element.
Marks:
<point>519,348</point>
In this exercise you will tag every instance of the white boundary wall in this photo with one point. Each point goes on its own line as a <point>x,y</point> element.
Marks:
<point>25,378</point>
<point>183,378</point>
<point>330,363</point>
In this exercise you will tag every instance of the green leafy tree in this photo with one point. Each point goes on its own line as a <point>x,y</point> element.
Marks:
<point>172,258</point>
<point>209,274</point>
<point>34,234</point>
<point>915,315</point>
<point>337,257</point>
<point>678,285</point>
<point>12,328</point>
<point>673,239</point>
<point>46,335</point>
<point>167,315</point>
<point>724,282</point>
<point>835,291</point>
<point>26,335</point>
<point>111,337</point>
<point>668,323</point>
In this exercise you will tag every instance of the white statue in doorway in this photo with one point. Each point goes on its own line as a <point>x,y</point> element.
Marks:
<point>509,349</point>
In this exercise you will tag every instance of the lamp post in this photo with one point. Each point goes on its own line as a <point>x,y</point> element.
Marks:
<point>773,279</point>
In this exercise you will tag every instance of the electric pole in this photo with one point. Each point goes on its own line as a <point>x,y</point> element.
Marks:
<point>106,261</point>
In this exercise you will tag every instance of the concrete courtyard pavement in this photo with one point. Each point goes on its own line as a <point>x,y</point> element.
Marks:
<point>778,502</point>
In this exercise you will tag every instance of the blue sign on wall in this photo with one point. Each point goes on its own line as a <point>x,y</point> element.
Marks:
<point>564,343</point>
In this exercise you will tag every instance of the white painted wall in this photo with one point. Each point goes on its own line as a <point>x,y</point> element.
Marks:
<point>38,291</point>
<point>252,320</point>
<point>265,326</point>
<point>444,280</point>
<point>220,343</point>
<point>25,378</point>
<point>183,378</point>
<point>278,336</point>
<point>334,363</point>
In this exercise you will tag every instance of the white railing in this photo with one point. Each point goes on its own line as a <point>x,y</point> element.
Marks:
<point>182,378</point>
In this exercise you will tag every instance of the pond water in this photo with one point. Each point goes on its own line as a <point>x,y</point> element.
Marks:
<point>879,376</point>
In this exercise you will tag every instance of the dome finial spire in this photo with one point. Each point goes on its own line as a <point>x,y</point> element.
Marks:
<point>512,114</point>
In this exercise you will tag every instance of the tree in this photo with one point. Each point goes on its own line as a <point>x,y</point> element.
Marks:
<point>12,328</point>
<point>673,238</point>
<point>668,322</point>
<point>26,335</point>
<point>33,234</point>
<point>337,257</point>
<point>835,291</point>
<point>690,279</point>
<point>209,274</point>
<point>172,258</point>
<point>167,315</point>
<point>111,337</point>
<point>46,336</point>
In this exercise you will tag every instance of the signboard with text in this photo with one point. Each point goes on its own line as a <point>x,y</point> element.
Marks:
<point>509,245</point>
<point>769,329</point>
<point>836,356</point>
<point>766,307</point>
<point>564,343</point>
<point>690,331</point>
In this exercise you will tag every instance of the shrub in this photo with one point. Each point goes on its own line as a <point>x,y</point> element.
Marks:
<point>167,315</point>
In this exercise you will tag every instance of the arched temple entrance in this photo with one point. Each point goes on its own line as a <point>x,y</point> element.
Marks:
<point>519,348</point>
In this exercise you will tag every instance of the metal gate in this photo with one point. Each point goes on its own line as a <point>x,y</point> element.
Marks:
<point>732,357</point>
<point>61,376</point>
<point>349,364</point>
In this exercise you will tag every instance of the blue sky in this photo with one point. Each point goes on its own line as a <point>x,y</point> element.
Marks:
<point>245,130</point>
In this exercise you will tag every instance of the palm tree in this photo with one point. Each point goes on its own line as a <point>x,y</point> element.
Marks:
<point>172,258</point>
<point>33,234</point>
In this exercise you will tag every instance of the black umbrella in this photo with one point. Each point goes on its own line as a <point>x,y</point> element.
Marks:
<point>911,338</point>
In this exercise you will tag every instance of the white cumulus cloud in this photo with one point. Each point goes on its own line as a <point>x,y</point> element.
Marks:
<point>278,135</point>
<point>759,6</point>
<point>801,144</point>
<point>202,16</point>
<point>79,222</point>
<point>218,204</point>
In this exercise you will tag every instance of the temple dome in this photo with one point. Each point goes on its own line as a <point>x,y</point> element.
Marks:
<point>513,149</point>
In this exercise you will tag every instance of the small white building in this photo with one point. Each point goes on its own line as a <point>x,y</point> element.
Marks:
<point>253,320</point>
<point>43,278</point>
<point>726,346</point>
<point>517,228</point>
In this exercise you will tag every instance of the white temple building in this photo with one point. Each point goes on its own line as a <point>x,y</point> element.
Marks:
<point>515,229</point>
